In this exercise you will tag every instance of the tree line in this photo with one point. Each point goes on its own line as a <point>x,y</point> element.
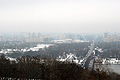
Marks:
<point>110,49</point>
<point>28,67</point>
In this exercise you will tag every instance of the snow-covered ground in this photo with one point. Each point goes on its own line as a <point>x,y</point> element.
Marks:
<point>70,58</point>
<point>111,61</point>
<point>99,49</point>
<point>39,46</point>
<point>11,59</point>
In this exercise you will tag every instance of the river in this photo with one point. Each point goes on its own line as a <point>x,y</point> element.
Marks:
<point>115,68</point>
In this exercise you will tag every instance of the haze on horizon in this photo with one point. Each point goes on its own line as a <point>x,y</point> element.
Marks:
<point>77,16</point>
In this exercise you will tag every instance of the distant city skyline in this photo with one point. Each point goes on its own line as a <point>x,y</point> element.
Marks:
<point>61,16</point>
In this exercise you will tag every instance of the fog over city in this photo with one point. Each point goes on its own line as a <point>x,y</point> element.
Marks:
<point>76,16</point>
<point>59,40</point>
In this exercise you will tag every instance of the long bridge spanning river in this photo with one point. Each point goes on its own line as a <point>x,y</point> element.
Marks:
<point>89,56</point>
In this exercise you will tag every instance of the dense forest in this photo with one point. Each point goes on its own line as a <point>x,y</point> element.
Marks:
<point>38,68</point>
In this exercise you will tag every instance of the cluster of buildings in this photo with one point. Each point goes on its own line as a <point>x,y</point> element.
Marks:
<point>40,37</point>
<point>68,41</point>
<point>24,37</point>
<point>111,37</point>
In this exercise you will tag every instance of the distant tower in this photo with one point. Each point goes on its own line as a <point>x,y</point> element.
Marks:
<point>105,35</point>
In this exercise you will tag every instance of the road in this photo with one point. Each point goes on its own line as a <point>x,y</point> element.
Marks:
<point>89,56</point>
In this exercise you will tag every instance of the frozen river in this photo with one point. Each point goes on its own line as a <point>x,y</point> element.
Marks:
<point>115,68</point>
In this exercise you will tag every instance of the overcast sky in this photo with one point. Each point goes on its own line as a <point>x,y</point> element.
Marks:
<point>77,16</point>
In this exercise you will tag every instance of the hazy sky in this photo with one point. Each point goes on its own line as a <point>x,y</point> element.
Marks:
<point>60,16</point>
